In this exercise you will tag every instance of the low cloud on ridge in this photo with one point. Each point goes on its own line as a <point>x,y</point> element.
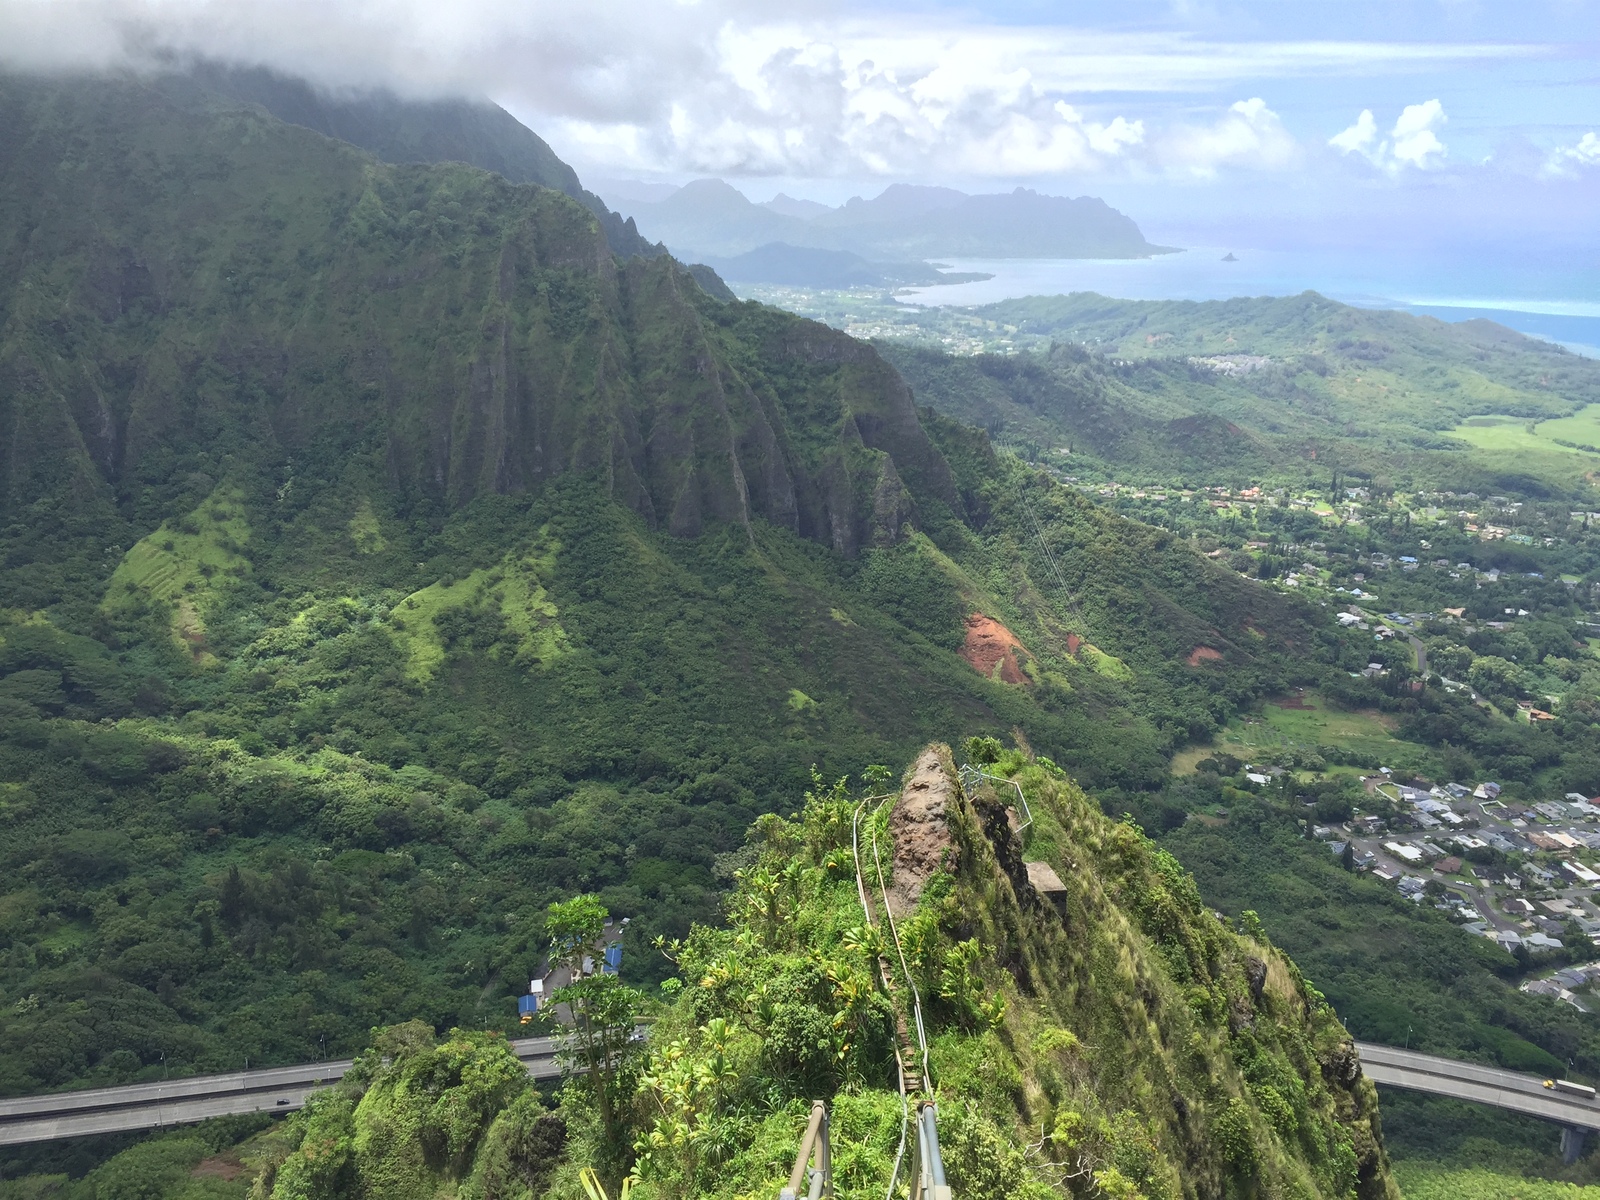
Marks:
<point>719,87</point>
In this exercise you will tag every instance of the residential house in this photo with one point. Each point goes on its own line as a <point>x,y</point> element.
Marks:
<point>1581,873</point>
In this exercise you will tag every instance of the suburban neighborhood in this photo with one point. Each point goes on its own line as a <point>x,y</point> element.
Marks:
<point>1522,875</point>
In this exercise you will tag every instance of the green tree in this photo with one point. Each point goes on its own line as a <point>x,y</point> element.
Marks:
<point>1497,678</point>
<point>605,1012</point>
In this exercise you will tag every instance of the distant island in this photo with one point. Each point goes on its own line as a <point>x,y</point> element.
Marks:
<point>713,221</point>
<point>1228,257</point>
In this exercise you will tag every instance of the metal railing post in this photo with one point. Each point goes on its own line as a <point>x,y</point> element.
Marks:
<point>928,1181</point>
<point>968,772</point>
<point>814,1144</point>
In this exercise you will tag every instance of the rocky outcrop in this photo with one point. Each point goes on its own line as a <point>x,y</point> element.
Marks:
<point>919,825</point>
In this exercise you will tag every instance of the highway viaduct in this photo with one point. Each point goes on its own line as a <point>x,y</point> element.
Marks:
<point>1577,1115</point>
<point>284,1089</point>
<point>197,1098</point>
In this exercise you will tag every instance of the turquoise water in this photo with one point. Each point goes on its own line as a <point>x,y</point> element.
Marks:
<point>1557,300</point>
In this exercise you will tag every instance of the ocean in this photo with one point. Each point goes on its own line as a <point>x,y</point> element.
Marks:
<point>1558,301</point>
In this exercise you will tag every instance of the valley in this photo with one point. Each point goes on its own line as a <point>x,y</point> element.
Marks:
<point>393,551</point>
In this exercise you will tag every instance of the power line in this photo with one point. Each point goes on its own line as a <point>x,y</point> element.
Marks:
<point>1070,604</point>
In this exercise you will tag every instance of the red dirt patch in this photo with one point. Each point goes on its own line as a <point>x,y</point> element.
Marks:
<point>990,644</point>
<point>1073,642</point>
<point>1202,654</point>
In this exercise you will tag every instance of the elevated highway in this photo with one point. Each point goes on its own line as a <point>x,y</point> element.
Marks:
<point>1579,1115</point>
<point>284,1089</point>
<point>198,1098</point>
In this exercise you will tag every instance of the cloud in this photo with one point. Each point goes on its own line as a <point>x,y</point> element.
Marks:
<point>1570,160</point>
<point>1413,142</point>
<point>1249,135</point>
<point>722,86</point>
<point>1360,137</point>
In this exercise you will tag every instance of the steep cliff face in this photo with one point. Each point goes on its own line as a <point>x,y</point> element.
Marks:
<point>196,291</point>
<point>1202,1063</point>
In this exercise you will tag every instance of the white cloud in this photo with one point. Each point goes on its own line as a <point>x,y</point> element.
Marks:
<point>721,86</point>
<point>1248,135</point>
<point>1569,160</point>
<point>1360,137</point>
<point>1413,142</point>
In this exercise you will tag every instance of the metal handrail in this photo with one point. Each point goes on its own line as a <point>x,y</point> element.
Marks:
<point>927,1175</point>
<point>967,769</point>
<point>814,1146</point>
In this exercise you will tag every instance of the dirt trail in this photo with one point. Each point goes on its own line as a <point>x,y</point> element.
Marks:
<point>920,830</point>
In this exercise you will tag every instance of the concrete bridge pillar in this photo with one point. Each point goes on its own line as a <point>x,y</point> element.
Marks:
<point>1572,1139</point>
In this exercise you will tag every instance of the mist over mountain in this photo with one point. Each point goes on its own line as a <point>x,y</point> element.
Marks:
<point>404,130</point>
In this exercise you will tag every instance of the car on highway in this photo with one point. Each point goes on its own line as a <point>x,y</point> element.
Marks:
<point>1568,1086</point>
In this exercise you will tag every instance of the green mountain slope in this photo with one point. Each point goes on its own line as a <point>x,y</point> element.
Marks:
<point>481,331</point>
<point>384,558</point>
<point>1277,387</point>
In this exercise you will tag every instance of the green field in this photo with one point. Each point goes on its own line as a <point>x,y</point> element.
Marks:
<point>1434,1181</point>
<point>1501,433</point>
<point>1299,721</point>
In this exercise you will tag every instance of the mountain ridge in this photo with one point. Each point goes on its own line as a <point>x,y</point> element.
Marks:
<point>663,413</point>
<point>385,558</point>
<point>398,130</point>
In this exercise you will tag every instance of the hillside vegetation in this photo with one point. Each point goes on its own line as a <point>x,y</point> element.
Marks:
<point>1275,388</point>
<point>383,559</point>
<point>1116,1041</point>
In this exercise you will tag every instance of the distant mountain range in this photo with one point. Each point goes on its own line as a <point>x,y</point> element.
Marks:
<point>709,219</point>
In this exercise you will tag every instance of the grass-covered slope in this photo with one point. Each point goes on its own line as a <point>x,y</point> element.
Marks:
<point>1265,387</point>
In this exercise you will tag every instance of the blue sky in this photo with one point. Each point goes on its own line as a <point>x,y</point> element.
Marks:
<point>1408,123</point>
